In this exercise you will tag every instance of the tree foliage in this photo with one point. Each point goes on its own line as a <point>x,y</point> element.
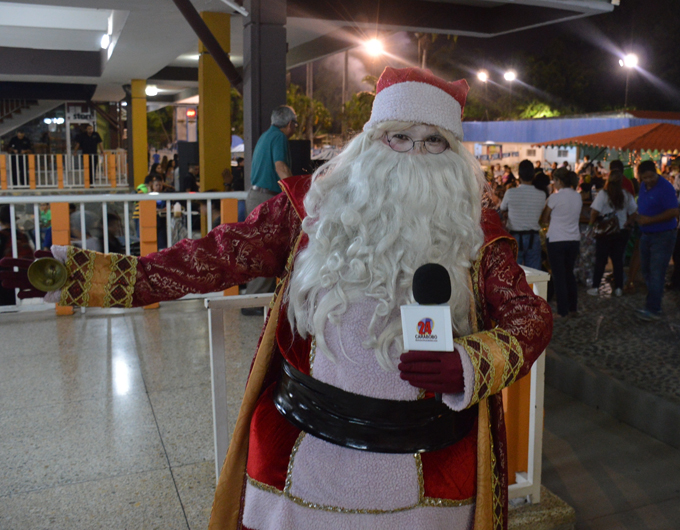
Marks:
<point>236,113</point>
<point>159,125</point>
<point>537,109</point>
<point>358,110</point>
<point>305,107</point>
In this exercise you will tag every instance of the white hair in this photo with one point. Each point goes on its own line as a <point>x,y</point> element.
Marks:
<point>373,217</point>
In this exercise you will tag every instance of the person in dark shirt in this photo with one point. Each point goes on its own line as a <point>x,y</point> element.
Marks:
<point>19,144</point>
<point>238,182</point>
<point>89,142</point>
<point>189,182</point>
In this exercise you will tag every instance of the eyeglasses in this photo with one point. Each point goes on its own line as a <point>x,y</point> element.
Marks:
<point>402,143</point>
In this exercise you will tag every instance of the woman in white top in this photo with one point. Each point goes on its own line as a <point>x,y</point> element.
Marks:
<point>612,200</point>
<point>562,211</point>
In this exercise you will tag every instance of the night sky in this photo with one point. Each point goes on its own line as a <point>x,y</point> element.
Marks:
<point>572,66</point>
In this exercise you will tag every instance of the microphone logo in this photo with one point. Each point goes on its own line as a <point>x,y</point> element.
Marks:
<point>425,328</point>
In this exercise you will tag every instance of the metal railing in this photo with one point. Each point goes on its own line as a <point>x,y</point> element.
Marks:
<point>103,222</point>
<point>46,172</point>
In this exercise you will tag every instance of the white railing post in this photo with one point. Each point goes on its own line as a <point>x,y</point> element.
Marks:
<point>218,365</point>
<point>529,485</point>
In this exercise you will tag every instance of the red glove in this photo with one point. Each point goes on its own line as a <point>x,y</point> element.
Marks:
<point>439,372</point>
<point>19,279</point>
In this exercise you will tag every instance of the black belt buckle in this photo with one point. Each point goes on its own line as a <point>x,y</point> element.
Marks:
<point>365,423</point>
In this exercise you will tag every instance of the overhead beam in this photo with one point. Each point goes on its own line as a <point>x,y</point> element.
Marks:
<point>329,44</point>
<point>210,42</point>
<point>176,73</point>
<point>492,19</point>
<point>30,90</point>
<point>29,61</point>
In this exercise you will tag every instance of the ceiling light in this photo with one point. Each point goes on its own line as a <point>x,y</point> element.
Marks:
<point>151,90</point>
<point>123,103</point>
<point>47,121</point>
<point>106,40</point>
<point>58,121</point>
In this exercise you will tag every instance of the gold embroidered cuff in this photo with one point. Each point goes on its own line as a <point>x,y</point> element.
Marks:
<point>98,280</point>
<point>497,358</point>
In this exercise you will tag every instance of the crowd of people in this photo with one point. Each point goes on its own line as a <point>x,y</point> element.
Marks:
<point>573,223</point>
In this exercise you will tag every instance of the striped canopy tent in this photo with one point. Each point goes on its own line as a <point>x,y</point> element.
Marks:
<point>662,137</point>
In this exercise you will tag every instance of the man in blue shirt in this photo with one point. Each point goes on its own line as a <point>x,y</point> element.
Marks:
<point>657,216</point>
<point>271,158</point>
<point>271,163</point>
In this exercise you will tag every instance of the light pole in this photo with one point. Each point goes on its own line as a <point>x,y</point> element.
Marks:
<point>483,76</point>
<point>629,62</point>
<point>510,76</point>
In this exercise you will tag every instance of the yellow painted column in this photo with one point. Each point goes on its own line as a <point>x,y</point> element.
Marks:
<point>140,147</point>
<point>60,171</point>
<point>111,169</point>
<point>61,235</point>
<point>229,214</point>
<point>86,171</point>
<point>3,172</point>
<point>31,171</point>
<point>214,113</point>
<point>148,242</point>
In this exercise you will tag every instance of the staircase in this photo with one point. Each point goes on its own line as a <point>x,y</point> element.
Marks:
<point>16,112</point>
<point>10,107</point>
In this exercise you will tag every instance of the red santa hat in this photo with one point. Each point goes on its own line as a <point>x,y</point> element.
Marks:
<point>418,96</point>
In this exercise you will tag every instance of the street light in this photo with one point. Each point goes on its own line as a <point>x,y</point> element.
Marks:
<point>510,76</point>
<point>374,47</point>
<point>629,62</point>
<point>151,90</point>
<point>483,76</point>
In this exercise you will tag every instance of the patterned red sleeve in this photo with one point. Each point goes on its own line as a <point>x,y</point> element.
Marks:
<point>512,305</point>
<point>231,254</point>
<point>517,323</point>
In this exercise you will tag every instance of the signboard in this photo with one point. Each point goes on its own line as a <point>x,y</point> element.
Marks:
<point>79,113</point>
<point>494,152</point>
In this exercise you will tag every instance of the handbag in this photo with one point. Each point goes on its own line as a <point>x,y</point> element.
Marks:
<point>606,225</point>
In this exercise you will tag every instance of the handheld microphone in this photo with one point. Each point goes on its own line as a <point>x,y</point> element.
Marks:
<point>426,325</point>
<point>431,284</point>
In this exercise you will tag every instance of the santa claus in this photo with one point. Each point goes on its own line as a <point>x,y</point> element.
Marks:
<point>339,427</point>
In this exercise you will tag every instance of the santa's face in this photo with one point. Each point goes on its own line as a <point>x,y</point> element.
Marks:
<point>416,140</point>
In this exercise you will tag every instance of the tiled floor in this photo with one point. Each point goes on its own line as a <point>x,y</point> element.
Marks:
<point>106,418</point>
<point>616,477</point>
<point>606,336</point>
<point>106,423</point>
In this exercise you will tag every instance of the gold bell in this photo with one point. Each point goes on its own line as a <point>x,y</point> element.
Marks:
<point>47,274</point>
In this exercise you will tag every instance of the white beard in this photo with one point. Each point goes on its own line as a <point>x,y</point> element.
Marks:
<point>374,217</point>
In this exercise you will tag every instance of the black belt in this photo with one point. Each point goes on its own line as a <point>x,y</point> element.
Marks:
<point>366,423</point>
<point>521,233</point>
<point>264,190</point>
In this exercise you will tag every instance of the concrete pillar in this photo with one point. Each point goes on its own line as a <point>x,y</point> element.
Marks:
<point>214,112</point>
<point>264,70</point>
<point>138,147</point>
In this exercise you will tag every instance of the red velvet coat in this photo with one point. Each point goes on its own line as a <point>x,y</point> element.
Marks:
<point>514,327</point>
